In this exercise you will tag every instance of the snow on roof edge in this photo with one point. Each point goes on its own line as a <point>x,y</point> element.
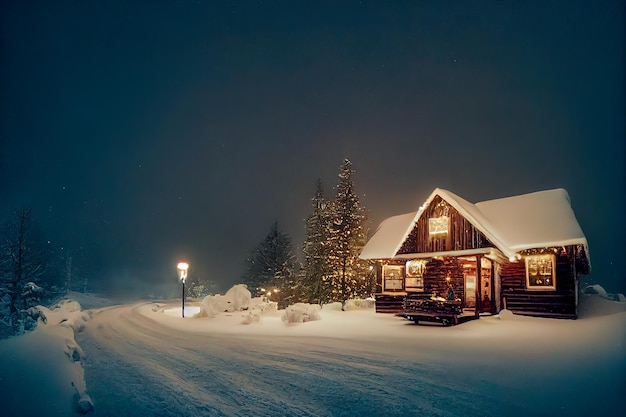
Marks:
<point>392,229</point>
<point>473,213</point>
<point>475,217</point>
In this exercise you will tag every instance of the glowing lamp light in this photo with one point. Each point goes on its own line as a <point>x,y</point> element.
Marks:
<point>182,270</point>
<point>182,275</point>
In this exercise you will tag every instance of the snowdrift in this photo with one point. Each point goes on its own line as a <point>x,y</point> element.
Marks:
<point>43,369</point>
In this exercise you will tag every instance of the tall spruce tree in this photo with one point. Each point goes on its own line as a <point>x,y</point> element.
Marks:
<point>348,235</point>
<point>316,270</point>
<point>271,267</point>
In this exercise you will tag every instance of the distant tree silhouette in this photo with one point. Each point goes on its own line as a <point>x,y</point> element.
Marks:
<point>24,256</point>
<point>271,267</point>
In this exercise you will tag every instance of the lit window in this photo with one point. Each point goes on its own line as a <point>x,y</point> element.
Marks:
<point>393,278</point>
<point>415,269</point>
<point>438,226</point>
<point>540,272</point>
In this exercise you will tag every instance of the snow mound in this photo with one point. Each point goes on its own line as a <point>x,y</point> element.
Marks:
<point>596,289</point>
<point>359,304</point>
<point>506,315</point>
<point>335,306</point>
<point>240,296</point>
<point>47,363</point>
<point>264,307</point>
<point>595,301</point>
<point>236,299</point>
<point>301,313</point>
<point>66,313</point>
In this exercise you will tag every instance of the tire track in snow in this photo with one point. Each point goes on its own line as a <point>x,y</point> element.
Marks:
<point>138,366</point>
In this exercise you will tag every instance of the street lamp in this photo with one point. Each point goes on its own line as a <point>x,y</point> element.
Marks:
<point>182,275</point>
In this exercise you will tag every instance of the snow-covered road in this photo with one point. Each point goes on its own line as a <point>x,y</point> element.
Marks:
<point>142,364</point>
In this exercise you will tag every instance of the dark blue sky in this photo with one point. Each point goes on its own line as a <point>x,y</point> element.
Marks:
<point>149,131</point>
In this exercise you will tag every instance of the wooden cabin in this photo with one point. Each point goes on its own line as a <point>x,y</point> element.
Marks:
<point>522,253</point>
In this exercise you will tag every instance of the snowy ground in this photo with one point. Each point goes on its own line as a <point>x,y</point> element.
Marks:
<point>144,362</point>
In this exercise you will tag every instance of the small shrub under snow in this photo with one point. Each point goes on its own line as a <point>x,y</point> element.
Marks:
<point>301,312</point>
<point>265,307</point>
<point>253,316</point>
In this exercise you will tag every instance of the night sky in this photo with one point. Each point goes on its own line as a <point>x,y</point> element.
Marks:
<point>147,132</point>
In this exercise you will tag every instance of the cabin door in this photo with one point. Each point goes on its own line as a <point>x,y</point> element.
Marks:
<point>478,283</point>
<point>470,290</point>
<point>469,282</point>
<point>486,286</point>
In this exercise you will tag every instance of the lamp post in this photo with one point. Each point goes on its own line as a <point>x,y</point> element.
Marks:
<point>182,275</point>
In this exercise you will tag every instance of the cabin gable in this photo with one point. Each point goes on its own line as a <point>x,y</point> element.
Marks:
<point>441,228</point>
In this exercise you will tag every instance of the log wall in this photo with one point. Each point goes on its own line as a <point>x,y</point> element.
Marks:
<point>559,303</point>
<point>461,233</point>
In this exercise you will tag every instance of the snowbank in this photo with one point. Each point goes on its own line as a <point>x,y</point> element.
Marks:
<point>42,370</point>
<point>595,301</point>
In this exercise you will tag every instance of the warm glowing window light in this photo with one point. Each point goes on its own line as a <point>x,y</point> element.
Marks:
<point>540,272</point>
<point>438,225</point>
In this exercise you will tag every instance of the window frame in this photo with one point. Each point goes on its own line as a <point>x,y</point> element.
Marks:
<point>537,274</point>
<point>398,269</point>
<point>416,278</point>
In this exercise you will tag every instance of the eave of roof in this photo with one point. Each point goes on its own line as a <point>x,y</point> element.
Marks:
<point>494,220</point>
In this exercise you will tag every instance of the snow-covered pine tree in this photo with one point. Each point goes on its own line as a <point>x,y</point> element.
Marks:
<point>348,235</point>
<point>23,259</point>
<point>316,270</point>
<point>271,267</point>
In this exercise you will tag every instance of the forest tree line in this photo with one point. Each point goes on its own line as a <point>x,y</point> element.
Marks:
<point>325,268</point>
<point>32,271</point>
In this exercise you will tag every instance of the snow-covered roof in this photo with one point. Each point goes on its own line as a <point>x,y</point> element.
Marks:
<point>389,236</point>
<point>512,224</point>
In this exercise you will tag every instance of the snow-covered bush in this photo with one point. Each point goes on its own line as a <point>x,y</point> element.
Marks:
<point>263,306</point>
<point>30,317</point>
<point>236,299</point>
<point>301,313</point>
<point>212,305</point>
<point>239,296</point>
<point>252,316</point>
<point>32,294</point>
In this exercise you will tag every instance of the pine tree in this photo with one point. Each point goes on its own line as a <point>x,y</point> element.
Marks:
<point>348,235</point>
<point>316,269</point>
<point>23,261</point>
<point>272,267</point>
